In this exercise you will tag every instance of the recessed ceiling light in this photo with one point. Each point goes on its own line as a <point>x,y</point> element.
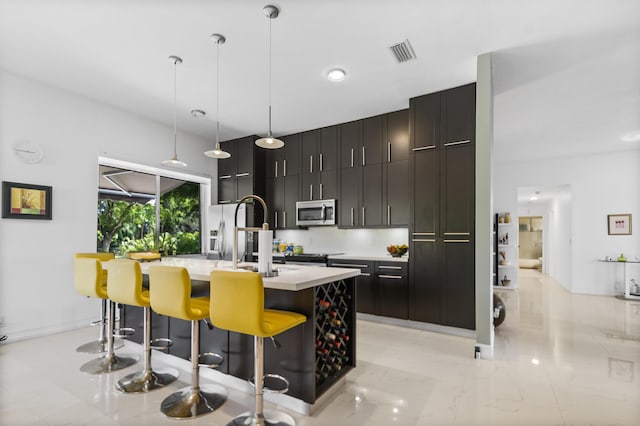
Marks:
<point>198,113</point>
<point>335,75</point>
<point>631,136</point>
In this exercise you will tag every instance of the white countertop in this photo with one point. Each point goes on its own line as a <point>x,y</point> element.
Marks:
<point>380,258</point>
<point>291,277</point>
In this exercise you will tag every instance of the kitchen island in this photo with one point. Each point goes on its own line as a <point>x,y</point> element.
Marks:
<point>313,356</point>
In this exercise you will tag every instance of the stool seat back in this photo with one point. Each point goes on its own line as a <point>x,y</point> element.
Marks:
<point>237,304</point>
<point>88,277</point>
<point>170,294</point>
<point>124,283</point>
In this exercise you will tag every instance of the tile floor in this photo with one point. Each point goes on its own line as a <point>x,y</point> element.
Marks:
<point>560,359</point>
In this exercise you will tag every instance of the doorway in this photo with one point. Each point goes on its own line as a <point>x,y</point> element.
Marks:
<point>530,242</point>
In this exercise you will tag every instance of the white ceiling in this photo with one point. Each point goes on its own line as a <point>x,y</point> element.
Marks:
<point>567,73</point>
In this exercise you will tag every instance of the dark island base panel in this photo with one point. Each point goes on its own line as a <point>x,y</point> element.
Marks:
<point>313,356</point>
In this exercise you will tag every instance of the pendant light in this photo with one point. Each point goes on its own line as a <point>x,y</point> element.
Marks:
<point>217,152</point>
<point>173,161</point>
<point>270,142</point>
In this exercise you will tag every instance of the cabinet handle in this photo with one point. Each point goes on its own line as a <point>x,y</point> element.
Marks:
<point>224,201</point>
<point>242,174</point>
<point>363,221</point>
<point>311,164</point>
<point>388,152</point>
<point>351,216</point>
<point>389,267</point>
<point>457,241</point>
<point>423,233</point>
<point>284,168</point>
<point>276,171</point>
<point>350,265</point>
<point>388,214</point>
<point>321,161</point>
<point>393,277</point>
<point>321,191</point>
<point>310,192</point>
<point>225,177</point>
<point>457,142</point>
<point>364,274</point>
<point>422,240</point>
<point>284,217</point>
<point>351,157</point>
<point>363,156</point>
<point>275,219</point>
<point>421,148</point>
<point>457,233</point>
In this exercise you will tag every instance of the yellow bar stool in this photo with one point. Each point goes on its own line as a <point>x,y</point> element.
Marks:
<point>89,270</point>
<point>125,286</point>
<point>170,293</point>
<point>86,289</point>
<point>237,304</point>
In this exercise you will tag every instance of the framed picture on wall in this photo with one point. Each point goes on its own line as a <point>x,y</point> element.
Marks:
<point>25,201</point>
<point>619,224</point>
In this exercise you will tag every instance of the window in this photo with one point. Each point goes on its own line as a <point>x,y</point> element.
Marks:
<point>144,208</point>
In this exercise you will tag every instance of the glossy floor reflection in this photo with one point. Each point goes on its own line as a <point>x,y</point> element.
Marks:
<point>560,359</point>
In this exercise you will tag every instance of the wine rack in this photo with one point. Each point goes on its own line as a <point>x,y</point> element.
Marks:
<point>333,325</point>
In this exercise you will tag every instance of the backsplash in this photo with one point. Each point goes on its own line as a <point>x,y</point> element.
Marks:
<point>329,239</point>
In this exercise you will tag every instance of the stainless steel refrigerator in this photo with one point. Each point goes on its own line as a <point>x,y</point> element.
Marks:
<point>220,221</point>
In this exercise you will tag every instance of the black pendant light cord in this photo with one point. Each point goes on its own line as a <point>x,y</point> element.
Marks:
<point>270,19</point>
<point>217,94</point>
<point>175,101</point>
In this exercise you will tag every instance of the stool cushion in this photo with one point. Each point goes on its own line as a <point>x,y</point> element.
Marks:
<point>237,304</point>
<point>144,256</point>
<point>88,277</point>
<point>124,283</point>
<point>170,294</point>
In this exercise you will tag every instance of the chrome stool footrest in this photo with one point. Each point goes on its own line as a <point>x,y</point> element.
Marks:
<point>124,332</point>
<point>161,344</point>
<point>272,379</point>
<point>215,359</point>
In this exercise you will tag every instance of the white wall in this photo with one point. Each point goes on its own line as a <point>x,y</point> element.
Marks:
<point>600,185</point>
<point>37,296</point>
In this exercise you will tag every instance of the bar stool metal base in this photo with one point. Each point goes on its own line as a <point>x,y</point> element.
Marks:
<point>146,381</point>
<point>271,418</point>
<point>99,346</point>
<point>107,364</point>
<point>189,403</point>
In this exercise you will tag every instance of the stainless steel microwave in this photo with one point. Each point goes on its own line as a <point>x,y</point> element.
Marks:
<point>316,212</point>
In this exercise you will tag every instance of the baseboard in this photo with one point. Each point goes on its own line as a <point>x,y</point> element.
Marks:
<point>436,328</point>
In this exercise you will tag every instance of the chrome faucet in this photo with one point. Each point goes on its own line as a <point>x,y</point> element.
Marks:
<point>265,225</point>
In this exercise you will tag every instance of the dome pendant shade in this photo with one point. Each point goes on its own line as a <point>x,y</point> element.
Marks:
<point>270,142</point>
<point>173,161</point>
<point>217,153</point>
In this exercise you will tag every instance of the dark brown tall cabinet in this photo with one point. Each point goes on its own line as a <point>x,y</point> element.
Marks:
<point>282,183</point>
<point>319,164</point>
<point>374,175</point>
<point>442,174</point>
<point>242,173</point>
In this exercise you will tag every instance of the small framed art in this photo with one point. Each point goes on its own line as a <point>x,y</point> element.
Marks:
<point>26,201</point>
<point>619,224</point>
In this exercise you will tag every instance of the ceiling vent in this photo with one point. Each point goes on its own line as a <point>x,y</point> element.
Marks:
<point>403,51</point>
